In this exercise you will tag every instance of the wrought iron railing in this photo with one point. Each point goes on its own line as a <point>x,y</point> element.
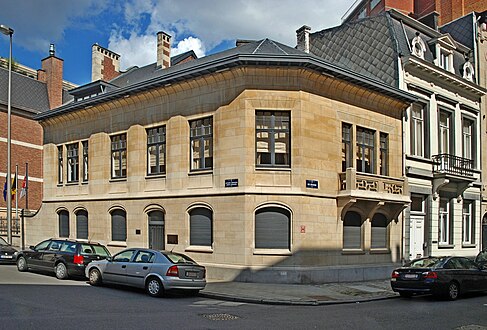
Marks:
<point>450,164</point>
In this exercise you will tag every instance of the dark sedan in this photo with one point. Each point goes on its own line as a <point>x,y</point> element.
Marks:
<point>8,254</point>
<point>64,257</point>
<point>481,258</point>
<point>440,276</point>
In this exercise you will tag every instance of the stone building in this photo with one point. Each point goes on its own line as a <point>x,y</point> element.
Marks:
<point>262,162</point>
<point>441,131</point>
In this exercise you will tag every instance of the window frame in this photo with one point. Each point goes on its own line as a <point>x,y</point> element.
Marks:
<point>118,156</point>
<point>363,138</point>
<point>445,222</point>
<point>84,145</point>
<point>471,139</point>
<point>383,233</point>
<point>158,142</point>
<point>449,129</point>
<point>120,216</point>
<point>346,245</point>
<point>72,158</point>
<point>82,227</point>
<point>270,117</point>
<point>63,223</point>
<point>468,222</point>
<point>417,139</point>
<point>60,158</point>
<point>194,240</point>
<point>383,153</point>
<point>205,135</point>
<point>262,229</point>
<point>347,149</point>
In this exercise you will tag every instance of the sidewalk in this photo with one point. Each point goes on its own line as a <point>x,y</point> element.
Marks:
<point>300,294</point>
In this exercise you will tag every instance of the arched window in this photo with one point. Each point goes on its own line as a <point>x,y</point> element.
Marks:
<point>82,224</point>
<point>63,223</point>
<point>379,232</point>
<point>201,226</point>
<point>119,225</point>
<point>352,231</point>
<point>272,228</point>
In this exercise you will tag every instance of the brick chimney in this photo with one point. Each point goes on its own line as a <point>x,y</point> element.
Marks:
<point>302,35</point>
<point>163,50</point>
<point>52,74</point>
<point>105,64</point>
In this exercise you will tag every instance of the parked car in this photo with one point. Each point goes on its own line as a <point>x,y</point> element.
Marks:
<point>481,258</point>
<point>156,271</point>
<point>64,257</point>
<point>441,276</point>
<point>8,254</point>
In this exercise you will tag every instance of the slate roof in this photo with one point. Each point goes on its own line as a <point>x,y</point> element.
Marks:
<point>371,46</point>
<point>28,95</point>
<point>259,53</point>
<point>461,30</point>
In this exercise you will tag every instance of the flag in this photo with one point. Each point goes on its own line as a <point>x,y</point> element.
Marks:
<point>5,190</point>
<point>14,188</point>
<point>23,191</point>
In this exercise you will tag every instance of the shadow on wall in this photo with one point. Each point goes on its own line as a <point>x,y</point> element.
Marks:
<point>314,267</point>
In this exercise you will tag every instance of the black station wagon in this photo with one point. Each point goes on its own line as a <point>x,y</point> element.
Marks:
<point>64,257</point>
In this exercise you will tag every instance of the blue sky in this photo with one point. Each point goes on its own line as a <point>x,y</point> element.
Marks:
<point>129,27</point>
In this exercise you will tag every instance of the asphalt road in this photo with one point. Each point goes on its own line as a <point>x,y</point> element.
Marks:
<point>40,301</point>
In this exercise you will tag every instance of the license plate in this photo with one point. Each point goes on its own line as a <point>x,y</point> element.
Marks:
<point>411,276</point>
<point>192,274</point>
<point>6,257</point>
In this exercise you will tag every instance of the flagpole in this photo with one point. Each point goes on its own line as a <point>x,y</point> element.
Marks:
<point>27,186</point>
<point>16,194</point>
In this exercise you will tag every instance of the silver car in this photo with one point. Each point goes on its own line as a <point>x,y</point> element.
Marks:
<point>156,271</point>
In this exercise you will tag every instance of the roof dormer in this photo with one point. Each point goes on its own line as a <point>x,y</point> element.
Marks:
<point>444,47</point>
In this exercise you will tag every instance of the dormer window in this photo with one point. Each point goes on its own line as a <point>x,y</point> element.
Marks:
<point>468,71</point>
<point>418,46</point>
<point>445,46</point>
<point>445,60</point>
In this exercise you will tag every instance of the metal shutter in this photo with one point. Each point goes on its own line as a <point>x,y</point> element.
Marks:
<point>272,228</point>
<point>82,224</point>
<point>63,224</point>
<point>379,232</point>
<point>119,226</point>
<point>200,224</point>
<point>352,231</point>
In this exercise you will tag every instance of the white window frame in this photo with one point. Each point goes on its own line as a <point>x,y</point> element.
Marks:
<point>417,130</point>
<point>468,222</point>
<point>444,222</point>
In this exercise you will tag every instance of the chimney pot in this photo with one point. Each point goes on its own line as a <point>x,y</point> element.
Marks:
<point>52,51</point>
<point>163,50</point>
<point>302,35</point>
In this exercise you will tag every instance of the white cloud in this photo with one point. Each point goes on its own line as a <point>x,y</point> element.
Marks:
<point>134,50</point>
<point>188,44</point>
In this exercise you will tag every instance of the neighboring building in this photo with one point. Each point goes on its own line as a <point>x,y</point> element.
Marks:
<point>32,93</point>
<point>242,159</point>
<point>441,131</point>
<point>448,10</point>
<point>471,30</point>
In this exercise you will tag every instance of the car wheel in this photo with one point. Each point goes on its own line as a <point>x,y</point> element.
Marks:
<point>405,294</point>
<point>61,271</point>
<point>453,291</point>
<point>154,287</point>
<point>22,264</point>
<point>95,277</point>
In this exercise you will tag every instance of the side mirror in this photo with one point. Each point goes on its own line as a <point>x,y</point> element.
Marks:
<point>109,259</point>
<point>32,247</point>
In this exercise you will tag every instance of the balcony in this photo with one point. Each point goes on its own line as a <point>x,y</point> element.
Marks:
<point>371,192</point>
<point>453,165</point>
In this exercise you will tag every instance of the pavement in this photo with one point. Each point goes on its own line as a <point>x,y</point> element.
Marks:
<point>300,294</point>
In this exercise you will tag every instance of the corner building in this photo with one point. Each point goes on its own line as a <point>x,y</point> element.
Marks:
<point>236,160</point>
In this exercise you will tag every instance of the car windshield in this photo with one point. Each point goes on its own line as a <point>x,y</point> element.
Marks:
<point>482,257</point>
<point>94,249</point>
<point>3,242</point>
<point>177,258</point>
<point>425,263</point>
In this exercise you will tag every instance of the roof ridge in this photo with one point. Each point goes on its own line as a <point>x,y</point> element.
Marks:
<point>258,46</point>
<point>275,44</point>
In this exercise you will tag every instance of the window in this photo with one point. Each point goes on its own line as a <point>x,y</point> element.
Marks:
<point>445,225</point>
<point>346,146</point>
<point>352,231</point>
<point>272,138</point>
<point>445,60</point>
<point>379,232</point>
<point>201,135</point>
<point>384,154</point>
<point>201,227</point>
<point>374,3</point>
<point>119,225</point>
<point>156,150</point>
<point>365,150</point>
<point>85,160</point>
<point>119,156</point>
<point>417,130</point>
<point>444,132</point>
<point>60,164</point>
<point>417,204</point>
<point>273,228</point>
<point>63,223</point>
<point>468,217</point>
<point>362,13</point>
<point>124,256</point>
<point>82,224</point>
<point>467,138</point>
<point>73,162</point>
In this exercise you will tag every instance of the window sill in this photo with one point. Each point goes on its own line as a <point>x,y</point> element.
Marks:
<point>155,176</point>
<point>276,252</point>
<point>117,180</point>
<point>270,168</point>
<point>468,245</point>
<point>353,251</point>
<point>72,183</point>
<point>445,246</point>
<point>380,251</point>
<point>200,172</point>
<point>117,244</point>
<point>199,248</point>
